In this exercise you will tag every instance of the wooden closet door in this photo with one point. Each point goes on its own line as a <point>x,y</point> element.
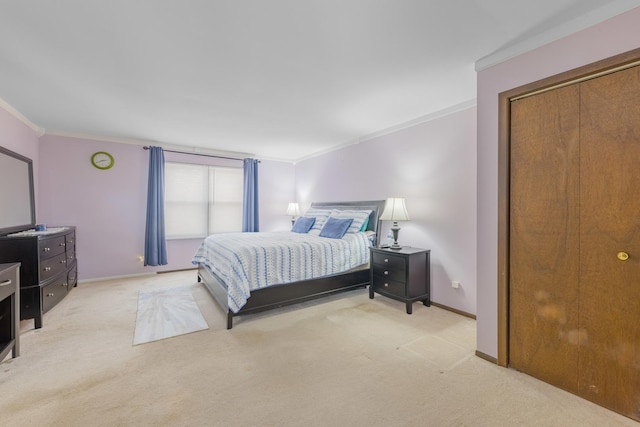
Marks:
<point>609,298</point>
<point>544,236</point>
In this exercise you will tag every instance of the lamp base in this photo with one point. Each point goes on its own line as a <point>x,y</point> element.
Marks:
<point>395,230</point>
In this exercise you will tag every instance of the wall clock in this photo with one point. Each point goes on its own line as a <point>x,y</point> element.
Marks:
<point>102,160</point>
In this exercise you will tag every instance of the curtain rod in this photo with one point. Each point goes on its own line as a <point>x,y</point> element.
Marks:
<point>199,154</point>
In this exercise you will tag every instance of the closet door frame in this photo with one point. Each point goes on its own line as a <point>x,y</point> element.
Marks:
<point>594,70</point>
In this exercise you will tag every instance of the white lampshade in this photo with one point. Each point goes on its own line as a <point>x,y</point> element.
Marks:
<point>395,210</point>
<point>293,209</point>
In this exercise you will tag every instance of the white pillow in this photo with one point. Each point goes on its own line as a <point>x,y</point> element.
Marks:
<point>320,215</point>
<point>359,218</point>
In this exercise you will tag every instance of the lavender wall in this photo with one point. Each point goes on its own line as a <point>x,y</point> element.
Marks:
<point>22,139</point>
<point>614,36</point>
<point>433,166</point>
<point>109,207</point>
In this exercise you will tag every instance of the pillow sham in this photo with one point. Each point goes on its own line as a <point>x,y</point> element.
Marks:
<point>320,215</point>
<point>303,224</point>
<point>365,225</point>
<point>335,228</point>
<point>359,217</point>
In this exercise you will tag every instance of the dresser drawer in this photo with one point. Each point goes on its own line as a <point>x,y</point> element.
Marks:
<point>389,286</point>
<point>51,247</point>
<point>70,240</point>
<point>71,255</point>
<point>390,262</point>
<point>54,292</point>
<point>72,277</point>
<point>52,266</point>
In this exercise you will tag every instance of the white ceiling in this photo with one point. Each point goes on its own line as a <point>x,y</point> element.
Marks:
<point>279,79</point>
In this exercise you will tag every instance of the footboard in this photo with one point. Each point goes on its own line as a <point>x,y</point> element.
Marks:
<point>285,294</point>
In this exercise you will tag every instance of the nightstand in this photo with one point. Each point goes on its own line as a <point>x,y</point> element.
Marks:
<point>403,275</point>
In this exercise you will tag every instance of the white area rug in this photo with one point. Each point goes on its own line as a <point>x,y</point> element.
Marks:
<point>165,313</point>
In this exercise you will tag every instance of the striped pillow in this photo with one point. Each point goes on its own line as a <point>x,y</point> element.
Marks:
<point>320,215</point>
<point>359,218</point>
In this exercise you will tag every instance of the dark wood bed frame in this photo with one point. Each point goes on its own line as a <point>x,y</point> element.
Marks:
<point>296,292</point>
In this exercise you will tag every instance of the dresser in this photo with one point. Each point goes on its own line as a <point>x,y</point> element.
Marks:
<point>48,271</point>
<point>9,312</point>
<point>403,275</point>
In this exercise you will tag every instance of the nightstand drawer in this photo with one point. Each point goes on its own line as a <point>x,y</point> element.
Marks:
<point>389,286</point>
<point>388,273</point>
<point>390,262</point>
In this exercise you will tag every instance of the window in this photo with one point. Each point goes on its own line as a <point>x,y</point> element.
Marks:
<point>201,200</point>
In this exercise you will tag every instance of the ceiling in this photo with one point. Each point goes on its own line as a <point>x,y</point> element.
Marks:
<point>278,79</point>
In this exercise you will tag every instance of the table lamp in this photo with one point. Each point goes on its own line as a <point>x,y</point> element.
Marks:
<point>294,210</point>
<point>395,210</point>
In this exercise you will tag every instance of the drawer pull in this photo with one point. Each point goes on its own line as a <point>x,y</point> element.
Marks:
<point>386,260</point>
<point>386,285</point>
<point>47,269</point>
<point>47,249</point>
<point>6,282</point>
<point>50,294</point>
<point>64,284</point>
<point>63,261</point>
<point>62,244</point>
<point>386,273</point>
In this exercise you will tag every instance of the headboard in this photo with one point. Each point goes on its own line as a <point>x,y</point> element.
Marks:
<point>376,206</point>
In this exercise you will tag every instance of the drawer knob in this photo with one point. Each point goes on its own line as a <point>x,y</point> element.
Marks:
<point>386,260</point>
<point>50,294</point>
<point>386,273</point>
<point>386,285</point>
<point>47,269</point>
<point>63,285</point>
<point>63,261</point>
<point>62,244</point>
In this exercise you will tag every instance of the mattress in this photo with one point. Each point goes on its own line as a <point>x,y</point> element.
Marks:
<point>248,261</point>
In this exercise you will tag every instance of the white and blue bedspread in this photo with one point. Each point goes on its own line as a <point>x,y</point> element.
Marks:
<point>249,261</point>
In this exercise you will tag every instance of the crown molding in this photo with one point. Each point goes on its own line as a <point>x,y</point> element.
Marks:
<point>422,119</point>
<point>18,115</point>
<point>142,142</point>
<point>575,25</point>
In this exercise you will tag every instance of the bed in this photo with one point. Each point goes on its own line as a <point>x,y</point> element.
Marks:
<point>271,295</point>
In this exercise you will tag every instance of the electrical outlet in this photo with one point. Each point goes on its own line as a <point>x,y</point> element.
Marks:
<point>455,285</point>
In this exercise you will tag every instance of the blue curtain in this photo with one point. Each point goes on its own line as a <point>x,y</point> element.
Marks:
<point>155,244</point>
<point>250,198</point>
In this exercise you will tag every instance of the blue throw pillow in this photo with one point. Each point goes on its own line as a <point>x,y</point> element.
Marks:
<point>303,225</point>
<point>335,228</point>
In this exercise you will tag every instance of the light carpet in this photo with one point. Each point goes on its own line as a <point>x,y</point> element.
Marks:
<point>343,360</point>
<point>166,313</point>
